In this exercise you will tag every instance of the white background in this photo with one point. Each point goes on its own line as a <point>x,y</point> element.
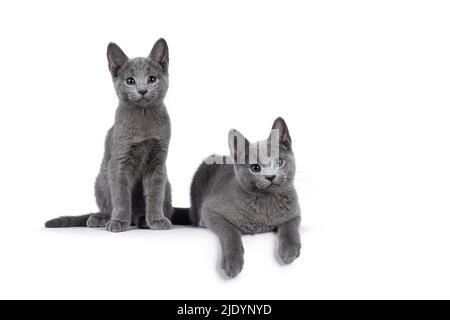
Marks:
<point>363,86</point>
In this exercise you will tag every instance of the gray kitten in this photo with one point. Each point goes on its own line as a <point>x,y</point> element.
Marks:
<point>248,197</point>
<point>132,186</point>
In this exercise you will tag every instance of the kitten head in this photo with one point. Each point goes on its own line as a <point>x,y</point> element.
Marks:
<point>265,165</point>
<point>140,81</point>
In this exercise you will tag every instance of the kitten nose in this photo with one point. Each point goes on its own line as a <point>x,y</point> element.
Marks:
<point>270,178</point>
<point>143,92</point>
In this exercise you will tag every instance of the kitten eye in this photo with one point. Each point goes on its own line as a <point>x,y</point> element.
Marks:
<point>152,79</point>
<point>255,168</point>
<point>130,81</point>
<point>279,162</point>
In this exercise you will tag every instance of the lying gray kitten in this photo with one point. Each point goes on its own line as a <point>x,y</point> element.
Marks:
<point>249,197</point>
<point>132,186</point>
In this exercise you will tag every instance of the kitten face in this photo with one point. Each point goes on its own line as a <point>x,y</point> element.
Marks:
<point>262,169</point>
<point>140,81</point>
<point>271,174</point>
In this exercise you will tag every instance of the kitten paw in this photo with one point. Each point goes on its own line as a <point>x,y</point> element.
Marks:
<point>232,264</point>
<point>160,224</point>
<point>117,226</point>
<point>289,252</point>
<point>98,220</point>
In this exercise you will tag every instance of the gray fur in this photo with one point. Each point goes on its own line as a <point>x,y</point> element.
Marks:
<point>230,200</point>
<point>132,187</point>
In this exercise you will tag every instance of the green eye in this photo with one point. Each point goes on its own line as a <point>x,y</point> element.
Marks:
<point>255,168</point>
<point>279,162</point>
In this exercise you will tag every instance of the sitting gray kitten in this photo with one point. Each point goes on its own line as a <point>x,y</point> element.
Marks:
<point>132,186</point>
<point>248,198</point>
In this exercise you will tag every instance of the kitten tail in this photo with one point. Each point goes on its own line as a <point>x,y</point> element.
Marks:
<point>69,221</point>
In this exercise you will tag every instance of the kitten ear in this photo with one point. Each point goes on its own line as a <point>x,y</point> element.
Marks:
<point>116,58</point>
<point>283,132</point>
<point>239,146</point>
<point>160,54</point>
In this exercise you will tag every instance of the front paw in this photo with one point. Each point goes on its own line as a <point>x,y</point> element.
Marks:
<point>233,263</point>
<point>160,224</point>
<point>289,251</point>
<point>117,226</point>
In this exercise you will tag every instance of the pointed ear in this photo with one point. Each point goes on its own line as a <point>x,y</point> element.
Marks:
<point>160,54</point>
<point>239,146</point>
<point>116,58</point>
<point>283,132</point>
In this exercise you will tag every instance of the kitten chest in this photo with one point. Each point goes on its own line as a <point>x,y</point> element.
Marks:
<point>140,156</point>
<point>265,213</point>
